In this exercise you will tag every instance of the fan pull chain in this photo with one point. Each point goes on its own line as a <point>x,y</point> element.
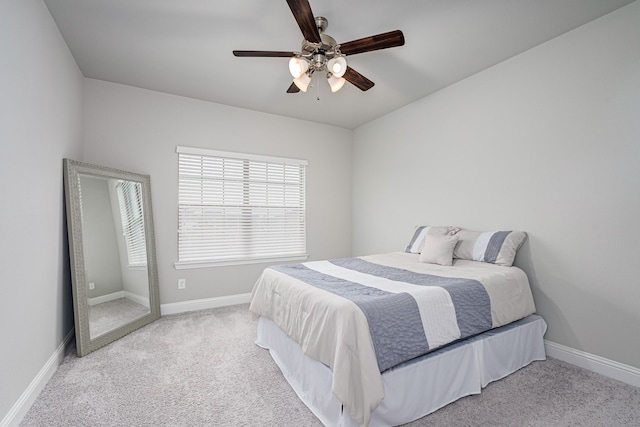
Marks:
<point>318,96</point>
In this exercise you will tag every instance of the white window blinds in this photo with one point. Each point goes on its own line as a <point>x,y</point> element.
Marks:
<point>239,207</point>
<point>131,214</point>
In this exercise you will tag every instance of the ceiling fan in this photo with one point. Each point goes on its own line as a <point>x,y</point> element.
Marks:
<point>321,54</point>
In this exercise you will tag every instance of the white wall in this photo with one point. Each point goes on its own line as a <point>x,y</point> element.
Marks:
<point>547,142</point>
<point>99,239</point>
<point>40,124</point>
<point>138,130</point>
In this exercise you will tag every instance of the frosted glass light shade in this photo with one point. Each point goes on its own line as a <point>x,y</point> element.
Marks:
<point>302,82</point>
<point>297,67</point>
<point>337,66</point>
<point>335,83</point>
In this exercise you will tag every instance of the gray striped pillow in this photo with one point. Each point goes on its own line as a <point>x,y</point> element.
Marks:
<point>418,236</point>
<point>496,247</point>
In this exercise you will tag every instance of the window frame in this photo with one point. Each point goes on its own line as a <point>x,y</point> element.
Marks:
<point>247,159</point>
<point>131,209</point>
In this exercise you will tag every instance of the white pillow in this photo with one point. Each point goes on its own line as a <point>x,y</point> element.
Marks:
<point>438,249</point>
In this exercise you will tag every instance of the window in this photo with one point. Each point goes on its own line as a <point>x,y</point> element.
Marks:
<point>238,208</point>
<point>131,214</point>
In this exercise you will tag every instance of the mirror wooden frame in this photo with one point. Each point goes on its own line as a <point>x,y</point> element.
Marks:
<point>72,170</point>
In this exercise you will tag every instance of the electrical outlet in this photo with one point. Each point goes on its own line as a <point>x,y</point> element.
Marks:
<point>92,285</point>
<point>182,283</point>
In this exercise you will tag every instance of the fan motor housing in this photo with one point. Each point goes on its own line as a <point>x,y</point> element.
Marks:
<point>327,44</point>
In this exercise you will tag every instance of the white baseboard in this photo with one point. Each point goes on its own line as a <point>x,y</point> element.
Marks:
<point>201,304</point>
<point>21,407</point>
<point>117,295</point>
<point>106,298</point>
<point>609,368</point>
<point>137,298</point>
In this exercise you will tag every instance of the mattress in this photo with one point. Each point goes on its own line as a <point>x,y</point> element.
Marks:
<point>362,316</point>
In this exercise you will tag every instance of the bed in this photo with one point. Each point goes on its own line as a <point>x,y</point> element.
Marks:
<point>385,339</point>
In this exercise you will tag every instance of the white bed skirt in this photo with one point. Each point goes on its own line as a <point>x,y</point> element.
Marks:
<point>420,386</point>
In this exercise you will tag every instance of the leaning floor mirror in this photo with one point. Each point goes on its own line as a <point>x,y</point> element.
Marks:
<point>112,252</point>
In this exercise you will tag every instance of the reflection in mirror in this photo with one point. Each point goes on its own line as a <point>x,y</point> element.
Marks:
<point>112,253</point>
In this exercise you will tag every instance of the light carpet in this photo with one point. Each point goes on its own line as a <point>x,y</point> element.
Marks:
<point>112,314</point>
<point>203,369</point>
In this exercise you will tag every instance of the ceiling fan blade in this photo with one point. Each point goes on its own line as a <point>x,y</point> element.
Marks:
<point>357,79</point>
<point>301,10</point>
<point>263,53</point>
<point>293,88</point>
<point>377,42</point>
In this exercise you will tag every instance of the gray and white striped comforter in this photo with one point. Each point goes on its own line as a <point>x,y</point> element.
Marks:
<point>362,316</point>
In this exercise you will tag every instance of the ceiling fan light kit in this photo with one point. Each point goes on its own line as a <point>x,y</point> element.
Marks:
<point>303,81</point>
<point>298,67</point>
<point>337,66</point>
<point>335,83</point>
<point>321,54</point>
<point>323,58</point>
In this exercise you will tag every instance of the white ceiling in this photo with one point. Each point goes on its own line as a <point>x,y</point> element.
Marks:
<point>183,47</point>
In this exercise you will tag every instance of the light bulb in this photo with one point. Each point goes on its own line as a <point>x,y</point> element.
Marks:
<point>302,82</point>
<point>335,83</point>
<point>297,67</point>
<point>337,66</point>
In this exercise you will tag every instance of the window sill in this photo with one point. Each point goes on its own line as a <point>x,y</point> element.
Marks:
<point>223,263</point>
